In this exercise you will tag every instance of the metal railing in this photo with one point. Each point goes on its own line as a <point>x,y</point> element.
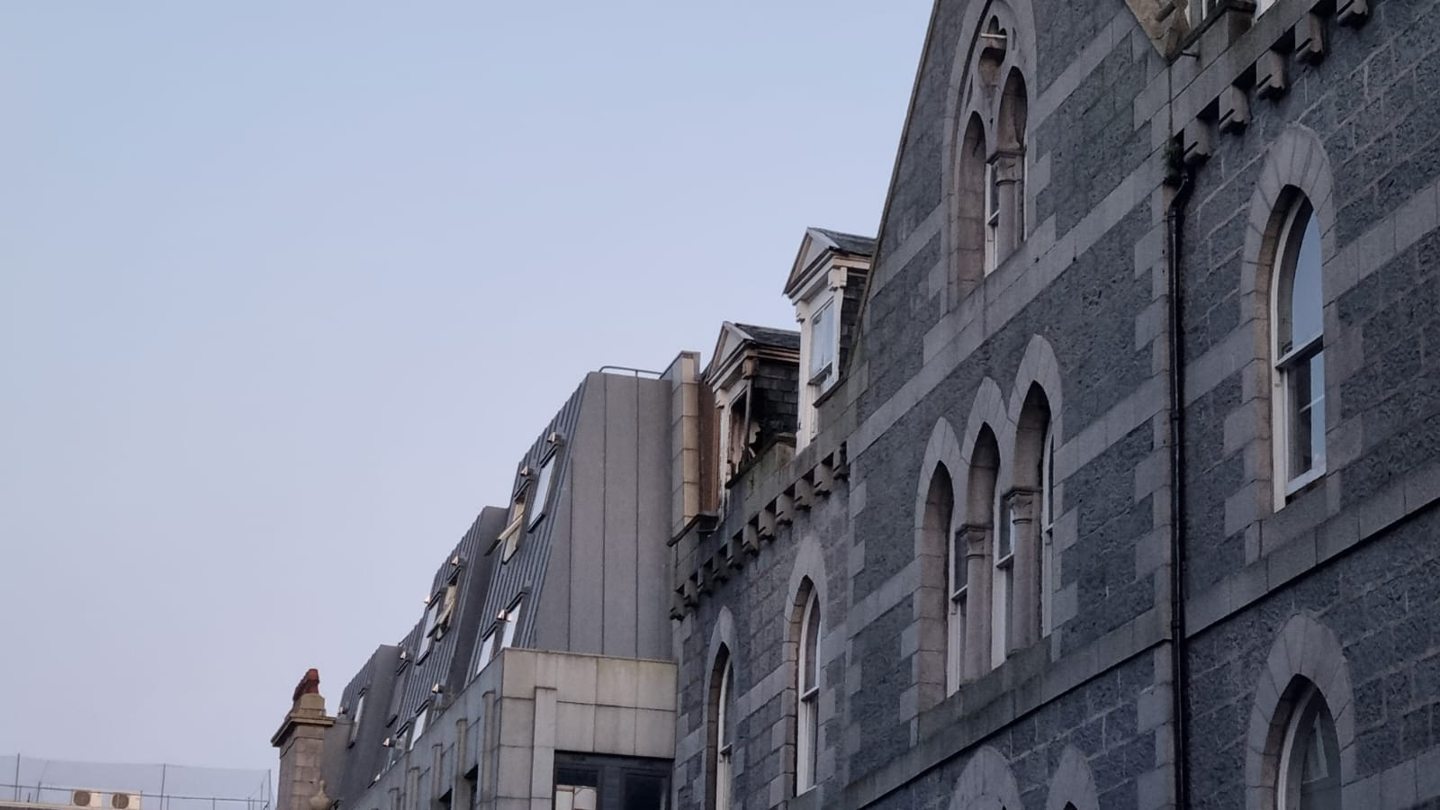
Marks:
<point>39,781</point>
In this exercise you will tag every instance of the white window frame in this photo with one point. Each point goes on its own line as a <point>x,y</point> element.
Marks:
<point>992,219</point>
<point>1288,361</point>
<point>724,746</point>
<point>1001,605</point>
<point>958,575</point>
<point>487,650</point>
<point>543,482</point>
<point>807,732</point>
<point>824,376</point>
<point>355,718</point>
<point>433,606</point>
<point>510,619</point>
<point>1047,532</point>
<point>510,535</point>
<point>418,726</point>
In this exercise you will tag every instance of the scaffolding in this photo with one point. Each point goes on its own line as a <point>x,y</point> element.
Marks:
<point>52,783</point>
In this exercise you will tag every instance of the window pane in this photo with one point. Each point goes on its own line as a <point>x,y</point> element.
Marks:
<point>959,565</point>
<point>812,644</point>
<point>644,792</point>
<point>512,621</point>
<point>542,490</point>
<point>359,714</point>
<point>1317,410</point>
<point>487,649</point>
<point>822,338</point>
<point>1002,531</point>
<point>1301,428</point>
<point>1306,302</point>
<point>1312,767</point>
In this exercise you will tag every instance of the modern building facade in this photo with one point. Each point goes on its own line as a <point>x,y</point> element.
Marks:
<point>1104,477</point>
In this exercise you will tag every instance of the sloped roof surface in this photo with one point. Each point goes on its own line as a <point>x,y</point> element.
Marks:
<point>849,242</point>
<point>784,338</point>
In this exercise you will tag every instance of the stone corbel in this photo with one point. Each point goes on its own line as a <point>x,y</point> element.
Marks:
<point>1310,39</point>
<point>750,538</point>
<point>825,477</point>
<point>1270,79</point>
<point>1234,110</point>
<point>766,523</point>
<point>1195,142</point>
<point>784,509</point>
<point>842,463</point>
<point>721,567</point>
<point>804,496</point>
<point>1352,13</point>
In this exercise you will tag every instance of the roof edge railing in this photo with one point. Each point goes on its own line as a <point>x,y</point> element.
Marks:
<point>626,371</point>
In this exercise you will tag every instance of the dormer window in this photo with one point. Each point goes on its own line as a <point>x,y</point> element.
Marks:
<point>825,285</point>
<point>440,607</point>
<point>502,635</point>
<point>510,536</point>
<point>822,346</point>
<point>356,717</point>
<point>427,633</point>
<point>542,490</point>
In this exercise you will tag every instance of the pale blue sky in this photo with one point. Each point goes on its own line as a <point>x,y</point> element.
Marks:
<point>286,289</point>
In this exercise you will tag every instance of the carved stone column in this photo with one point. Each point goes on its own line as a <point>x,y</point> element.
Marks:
<point>1024,509</point>
<point>976,660</point>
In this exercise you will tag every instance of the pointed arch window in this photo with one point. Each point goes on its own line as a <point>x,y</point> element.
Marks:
<point>1002,591</point>
<point>722,733</point>
<point>1309,774</point>
<point>808,683</point>
<point>1047,532</point>
<point>1297,316</point>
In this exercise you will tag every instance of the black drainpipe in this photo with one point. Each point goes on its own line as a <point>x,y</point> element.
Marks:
<point>1180,667</point>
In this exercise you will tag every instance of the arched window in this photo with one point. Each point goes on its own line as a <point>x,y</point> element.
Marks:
<point>1003,590</point>
<point>1007,170</point>
<point>808,690</point>
<point>1298,349</point>
<point>1047,533</point>
<point>986,185</point>
<point>938,525</point>
<point>973,254</point>
<point>1308,777</point>
<point>722,736</point>
<point>1030,512</point>
<point>987,542</point>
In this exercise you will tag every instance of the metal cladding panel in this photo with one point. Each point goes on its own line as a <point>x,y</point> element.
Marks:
<point>619,563</point>
<point>654,456</point>
<point>523,572</point>
<point>470,579</point>
<point>362,757</point>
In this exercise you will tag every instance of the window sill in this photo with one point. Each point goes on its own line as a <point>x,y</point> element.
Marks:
<point>1301,484</point>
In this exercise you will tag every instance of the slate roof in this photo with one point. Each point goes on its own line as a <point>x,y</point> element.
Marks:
<point>849,242</point>
<point>784,338</point>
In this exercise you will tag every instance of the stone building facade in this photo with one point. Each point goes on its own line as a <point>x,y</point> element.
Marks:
<point>1100,527</point>
<point>1121,491</point>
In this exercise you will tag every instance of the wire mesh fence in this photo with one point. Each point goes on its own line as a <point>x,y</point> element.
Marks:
<point>28,780</point>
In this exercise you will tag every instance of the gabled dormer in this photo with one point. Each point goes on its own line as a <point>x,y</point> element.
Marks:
<point>753,374</point>
<point>826,286</point>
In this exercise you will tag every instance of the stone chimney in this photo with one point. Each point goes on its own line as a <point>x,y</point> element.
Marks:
<point>301,740</point>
